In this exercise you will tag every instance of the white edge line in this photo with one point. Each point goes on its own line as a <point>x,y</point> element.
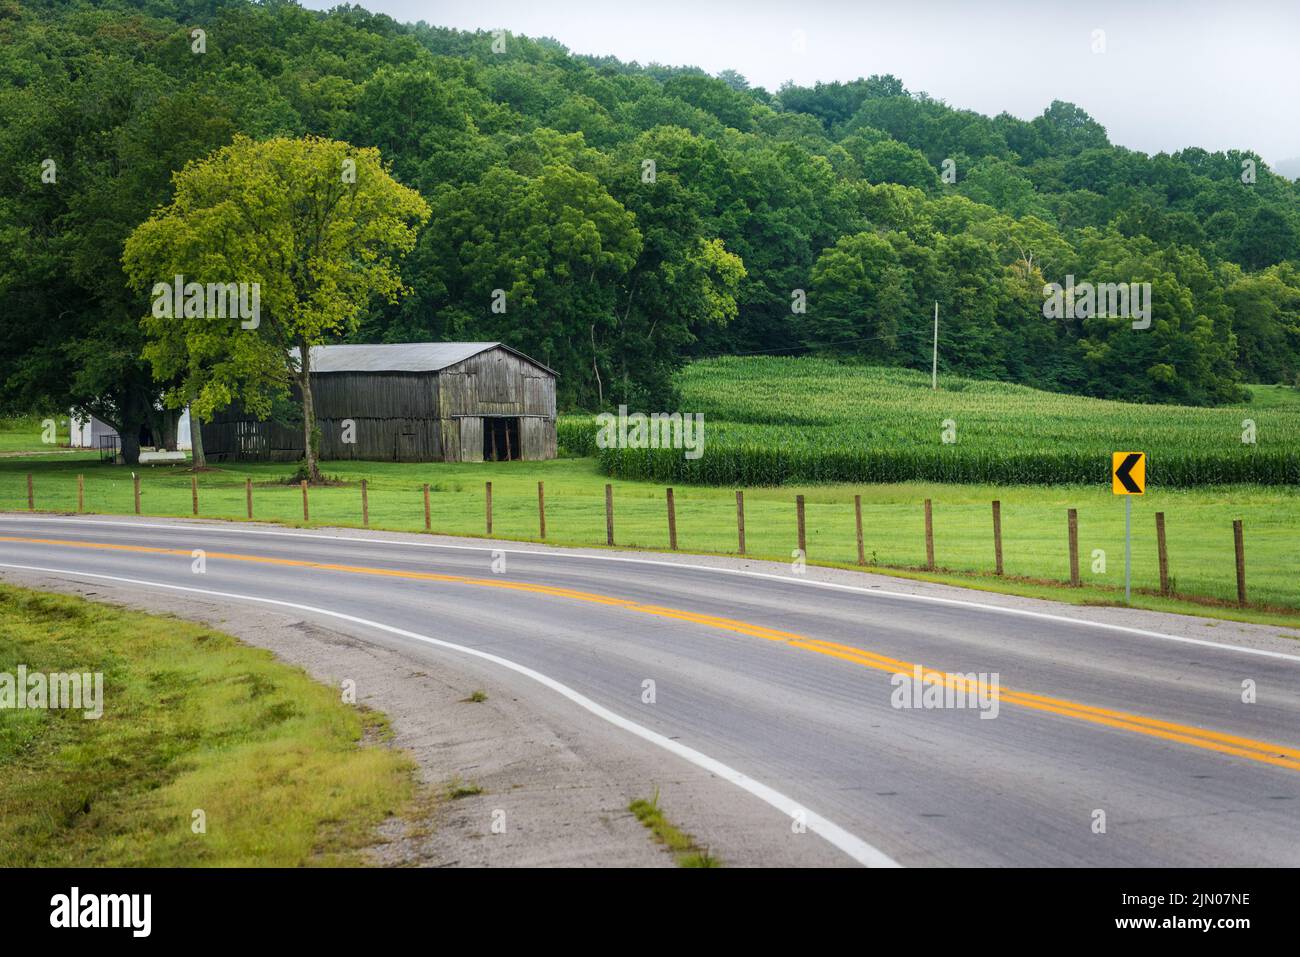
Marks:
<point>850,844</point>
<point>959,602</point>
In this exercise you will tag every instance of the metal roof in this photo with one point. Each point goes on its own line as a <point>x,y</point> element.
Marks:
<point>402,356</point>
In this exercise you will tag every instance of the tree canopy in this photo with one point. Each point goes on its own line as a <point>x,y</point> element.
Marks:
<point>617,219</point>
<point>306,231</point>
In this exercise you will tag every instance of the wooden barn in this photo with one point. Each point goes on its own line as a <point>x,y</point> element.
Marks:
<point>411,402</point>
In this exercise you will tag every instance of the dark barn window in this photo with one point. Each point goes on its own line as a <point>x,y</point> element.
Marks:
<point>500,439</point>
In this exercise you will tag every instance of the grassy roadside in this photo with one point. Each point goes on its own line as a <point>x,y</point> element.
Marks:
<point>686,852</point>
<point>284,773</point>
<point>1034,527</point>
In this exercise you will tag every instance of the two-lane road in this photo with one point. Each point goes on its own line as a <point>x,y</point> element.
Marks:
<point>787,685</point>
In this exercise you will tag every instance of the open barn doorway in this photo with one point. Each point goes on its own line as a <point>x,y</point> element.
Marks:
<point>501,439</point>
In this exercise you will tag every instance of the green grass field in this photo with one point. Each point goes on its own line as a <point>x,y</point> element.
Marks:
<point>284,772</point>
<point>27,434</point>
<point>771,421</point>
<point>1199,521</point>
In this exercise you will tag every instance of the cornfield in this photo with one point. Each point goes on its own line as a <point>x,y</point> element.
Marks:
<point>773,421</point>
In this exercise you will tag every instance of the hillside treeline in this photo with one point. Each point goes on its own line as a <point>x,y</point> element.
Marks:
<point>614,220</point>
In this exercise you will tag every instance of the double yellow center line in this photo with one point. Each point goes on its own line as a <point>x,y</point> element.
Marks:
<point>1282,756</point>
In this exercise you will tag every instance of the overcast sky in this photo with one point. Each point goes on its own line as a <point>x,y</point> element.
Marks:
<point>1175,73</point>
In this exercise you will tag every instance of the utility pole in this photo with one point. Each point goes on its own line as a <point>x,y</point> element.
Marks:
<point>934,362</point>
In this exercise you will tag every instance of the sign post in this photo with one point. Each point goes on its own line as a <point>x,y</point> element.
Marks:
<point>1128,548</point>
<point>1128,477</point>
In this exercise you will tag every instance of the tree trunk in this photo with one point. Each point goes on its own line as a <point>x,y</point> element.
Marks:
<point>199,460</point>
<point>129,439</point>
<point>600,387</point>
<point>310,465</point>
<point>134,406</point>
<point>153,420</point>
<point>170,420</point>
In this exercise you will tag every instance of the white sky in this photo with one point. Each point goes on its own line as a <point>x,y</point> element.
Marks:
<point>1212,73</point>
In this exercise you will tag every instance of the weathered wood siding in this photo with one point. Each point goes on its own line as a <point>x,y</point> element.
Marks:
<point>496,382</point>
<point>471,438</point>
<point>404,416</point>
<point>538,438</point>
<point>394,415</point>
<point>235,436</point>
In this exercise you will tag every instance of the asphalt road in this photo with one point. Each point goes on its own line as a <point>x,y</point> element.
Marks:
<point>785,686</point>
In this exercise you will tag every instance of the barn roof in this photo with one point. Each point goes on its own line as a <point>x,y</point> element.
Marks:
<point>403,356</point>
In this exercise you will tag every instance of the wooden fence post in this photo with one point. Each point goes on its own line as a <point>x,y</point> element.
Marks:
<point>487,505</point>
<point>857,515</point>
<point>672,522</point>
<point>929,537</point>
<point>1073,521</point>
<point>803,541</point>
<point>428,526</point>
<point>541,509</point>
<point>365,504</point>
<point>81,493</point>
<point>609,514</point>
<point>31,497</point>
<point>248,493</point>
<point>740,519</point>
<point>997,534</point>
<point>194,492</point>
<point>1161,553</point>
<point>135,485</point>
<point>1240,543</point>
<point>306,511</point>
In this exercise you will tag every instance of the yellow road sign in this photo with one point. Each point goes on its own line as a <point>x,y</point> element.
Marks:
<point>1128,473</point>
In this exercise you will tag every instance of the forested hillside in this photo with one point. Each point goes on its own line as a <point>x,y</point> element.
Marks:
<point>614,220</point>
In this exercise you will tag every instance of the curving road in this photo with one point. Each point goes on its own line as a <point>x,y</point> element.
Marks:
<point>783,686</point>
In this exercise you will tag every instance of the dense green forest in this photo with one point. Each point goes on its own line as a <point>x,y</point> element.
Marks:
<point>615,220</point>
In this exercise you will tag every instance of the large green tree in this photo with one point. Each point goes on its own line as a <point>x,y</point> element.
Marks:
<point>533,260</point>
<point>83,160</point>
<point>315,226</point>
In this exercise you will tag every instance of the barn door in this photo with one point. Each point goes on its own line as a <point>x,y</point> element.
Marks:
<point>471,439</point>
<point>532,439</point>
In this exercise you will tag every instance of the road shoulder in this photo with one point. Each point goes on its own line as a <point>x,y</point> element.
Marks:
<point>554,781</point>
